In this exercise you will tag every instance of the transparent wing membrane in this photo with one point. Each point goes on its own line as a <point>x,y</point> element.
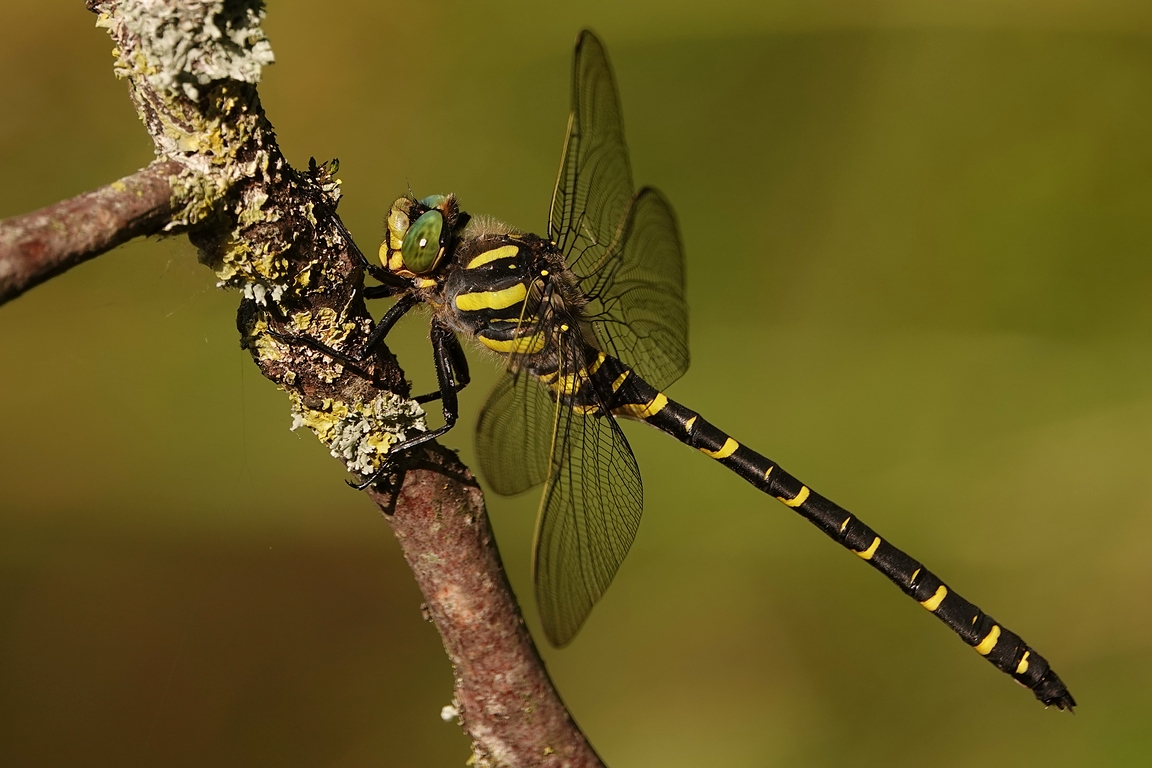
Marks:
<point>594,186</point>
<point>636,300</point>
<point>514,436</point>
<point>625,248</point>
<point>593,497</point>
<point>589,517</point>
<point>626,252</point>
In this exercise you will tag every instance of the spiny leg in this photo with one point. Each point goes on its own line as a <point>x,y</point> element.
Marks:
<point>459,369</point>
<point>356,362</point>
<point>446,354</point>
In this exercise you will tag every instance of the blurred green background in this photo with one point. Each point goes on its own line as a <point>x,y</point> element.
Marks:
<point>918,239</point>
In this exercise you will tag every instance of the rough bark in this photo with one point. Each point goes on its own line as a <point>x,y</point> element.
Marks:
<point>273,233</point>
<point>42,244</point>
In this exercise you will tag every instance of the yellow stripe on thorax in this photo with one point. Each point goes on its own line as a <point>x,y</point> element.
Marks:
<point>525,345</point>
<point>470,302</point>
<point>503,252</point>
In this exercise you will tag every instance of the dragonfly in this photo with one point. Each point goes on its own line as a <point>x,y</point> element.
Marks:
<point>592,323</point>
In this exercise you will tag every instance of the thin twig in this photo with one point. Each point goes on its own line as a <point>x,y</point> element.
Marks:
<point>42,244</point>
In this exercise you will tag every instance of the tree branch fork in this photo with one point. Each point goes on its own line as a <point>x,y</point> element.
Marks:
<point>272,232</point>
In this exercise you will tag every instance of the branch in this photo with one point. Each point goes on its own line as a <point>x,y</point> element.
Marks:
<point>45,243</point>
<point>506,701</point>
<point>272,232</point>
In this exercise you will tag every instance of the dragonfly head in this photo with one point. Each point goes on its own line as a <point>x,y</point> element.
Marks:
<point>420,233</point>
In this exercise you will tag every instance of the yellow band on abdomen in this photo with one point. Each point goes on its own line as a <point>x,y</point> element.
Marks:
<point>725,451</point>
<point>796,500</point>
<point>643,410</point>
<point>933,602</point>
<point>988,643</point>
<point>867,553</point>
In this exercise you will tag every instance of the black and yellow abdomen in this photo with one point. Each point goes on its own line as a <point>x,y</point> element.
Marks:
<point>607,380</point>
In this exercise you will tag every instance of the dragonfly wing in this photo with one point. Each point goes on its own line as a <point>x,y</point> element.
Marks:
<point>589,517</point>
<point>636,301</point>
<point>594,186</point>
<point>625,248</point>
<point>517,425</point>
<point>514,434</point>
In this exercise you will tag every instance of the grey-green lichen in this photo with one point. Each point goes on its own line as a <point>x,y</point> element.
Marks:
<point>193,65</point>
<point>360,434</point>
<point>188,45</point>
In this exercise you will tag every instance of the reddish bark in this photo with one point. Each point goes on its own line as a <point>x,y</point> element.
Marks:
<point>506,701</point>
<point>40,245</point>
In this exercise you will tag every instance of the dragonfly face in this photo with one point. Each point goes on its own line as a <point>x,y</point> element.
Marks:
<point>420,235</point>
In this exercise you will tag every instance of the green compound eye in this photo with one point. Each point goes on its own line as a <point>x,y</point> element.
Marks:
<point>422,248</point>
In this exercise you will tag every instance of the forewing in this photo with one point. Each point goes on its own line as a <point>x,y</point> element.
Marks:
<point>636,298</point>
<point>589,517</point>
<point>594,186</point>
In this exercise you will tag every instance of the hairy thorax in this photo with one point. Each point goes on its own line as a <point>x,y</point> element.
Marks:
<point>512,292</point>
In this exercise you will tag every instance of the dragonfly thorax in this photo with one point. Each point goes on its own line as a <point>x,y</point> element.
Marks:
<point>510,291</point>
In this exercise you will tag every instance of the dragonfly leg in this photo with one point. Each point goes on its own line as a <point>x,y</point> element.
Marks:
<point>402,307</point>
<point>459,370</point>
<point>378,291</point>
<point>452,376</point>
<point>356,361</point>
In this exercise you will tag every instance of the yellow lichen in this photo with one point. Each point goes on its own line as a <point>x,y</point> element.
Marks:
<point>329,328</point>
<point>267,348</point>
<point>380,442</point>
<point>253,208</point>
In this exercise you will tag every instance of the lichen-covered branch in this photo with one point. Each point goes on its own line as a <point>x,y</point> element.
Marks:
<point>272,232</point>
<point>42,244</point>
